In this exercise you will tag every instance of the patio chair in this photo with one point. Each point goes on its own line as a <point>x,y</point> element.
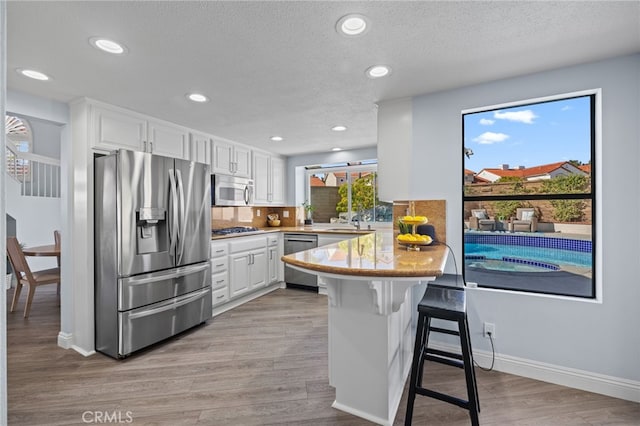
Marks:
<point>525,220</point>
<point>481,221</point>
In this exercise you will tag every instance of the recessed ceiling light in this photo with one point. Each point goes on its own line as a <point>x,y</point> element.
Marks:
<point>338,128</point>
<point>352,25</point>
<point>336,149</point>
<point>276,138</point>
<point>197,97</point>
<point>36,75</point>
<point>378,71</point>
<point>107,45</point>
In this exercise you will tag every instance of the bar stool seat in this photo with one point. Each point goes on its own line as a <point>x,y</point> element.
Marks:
<point>444,301</point>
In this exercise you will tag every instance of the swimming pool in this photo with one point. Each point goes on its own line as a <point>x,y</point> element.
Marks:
<point>525,253</point>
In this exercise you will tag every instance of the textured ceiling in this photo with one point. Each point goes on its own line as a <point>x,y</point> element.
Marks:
<point>280,68</point>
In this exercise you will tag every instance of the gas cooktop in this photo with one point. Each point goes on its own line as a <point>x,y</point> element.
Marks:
<point>233,230</point>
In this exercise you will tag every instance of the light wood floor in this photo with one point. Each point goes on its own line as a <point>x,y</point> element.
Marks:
<point>262,363</point>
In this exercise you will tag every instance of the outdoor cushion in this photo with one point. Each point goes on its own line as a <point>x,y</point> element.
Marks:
<point>527,215</point>
<point>480,214</point>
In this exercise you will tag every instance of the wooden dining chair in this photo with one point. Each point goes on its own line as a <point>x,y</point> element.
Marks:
<point>57,239</point>
<point>24,275</point>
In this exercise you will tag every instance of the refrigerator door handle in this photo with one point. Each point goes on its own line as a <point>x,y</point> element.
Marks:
<point>177,273</point>
<point>183,217</point>
<point>174,303</point>
<point>173,199</point>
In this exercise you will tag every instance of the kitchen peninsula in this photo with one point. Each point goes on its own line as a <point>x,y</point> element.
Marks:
<point>369,280</point>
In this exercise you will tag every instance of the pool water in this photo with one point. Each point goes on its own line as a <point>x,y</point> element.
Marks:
<point>548,255</point>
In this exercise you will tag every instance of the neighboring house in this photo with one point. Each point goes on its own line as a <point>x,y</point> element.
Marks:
<point>316,181</point>
<point>544,172</point>
<point>468,176</point>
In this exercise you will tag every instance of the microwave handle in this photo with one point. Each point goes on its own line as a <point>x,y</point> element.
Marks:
<point>246,195</point>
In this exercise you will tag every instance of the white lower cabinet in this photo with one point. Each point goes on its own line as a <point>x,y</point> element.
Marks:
<point>219,272</point>
<point>243,268</point>
<point>247,264</point>
<point>274,250</point>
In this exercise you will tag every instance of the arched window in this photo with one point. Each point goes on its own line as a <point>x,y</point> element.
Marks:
<point>18,131</point>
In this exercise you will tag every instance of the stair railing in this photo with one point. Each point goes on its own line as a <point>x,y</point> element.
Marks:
<point>39,176</point>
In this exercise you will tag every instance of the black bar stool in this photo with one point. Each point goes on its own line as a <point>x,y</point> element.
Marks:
<point>444,301</point>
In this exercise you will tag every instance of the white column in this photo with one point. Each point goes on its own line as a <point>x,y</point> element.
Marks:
<point>370,345</point>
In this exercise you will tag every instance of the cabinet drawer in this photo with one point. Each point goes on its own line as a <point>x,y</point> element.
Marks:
<point>246,244</point>
<point>220,280</point>
<point>219,249</point>
<point>220,296</point>
<point>272,240</point>
<point>219,264</point>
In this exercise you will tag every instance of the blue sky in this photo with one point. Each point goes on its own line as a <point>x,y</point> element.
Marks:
<point>529,135</point>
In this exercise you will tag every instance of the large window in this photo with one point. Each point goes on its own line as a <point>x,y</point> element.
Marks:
<point>529,196</point>
<point>346,193</point>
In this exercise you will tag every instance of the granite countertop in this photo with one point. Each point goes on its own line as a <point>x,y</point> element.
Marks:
<point>296,229</point>
<point>375,254</point>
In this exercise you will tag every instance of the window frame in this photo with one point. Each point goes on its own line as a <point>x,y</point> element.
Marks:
<point>592,195</point>
<point>348,169</point>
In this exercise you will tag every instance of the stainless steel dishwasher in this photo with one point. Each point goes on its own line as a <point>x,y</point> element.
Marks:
<point>294,243</point>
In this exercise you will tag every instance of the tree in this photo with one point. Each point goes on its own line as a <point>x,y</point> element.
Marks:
<point>362,194</point>
<point>567,210</point>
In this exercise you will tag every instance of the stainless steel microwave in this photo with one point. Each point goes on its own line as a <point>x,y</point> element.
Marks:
<point>231,191</point>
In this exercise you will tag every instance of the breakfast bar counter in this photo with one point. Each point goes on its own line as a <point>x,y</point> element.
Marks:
<point>369,280</point>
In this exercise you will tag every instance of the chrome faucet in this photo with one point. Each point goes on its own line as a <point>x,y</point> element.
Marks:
<point>359,214</point>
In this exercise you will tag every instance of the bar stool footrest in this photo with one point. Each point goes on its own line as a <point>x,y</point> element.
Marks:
<point>443,353</point>
<point>443,397</point>
<point>444,331</point>
<point>446,361</point>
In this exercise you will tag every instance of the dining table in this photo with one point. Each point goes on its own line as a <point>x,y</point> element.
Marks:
<point>46,250</point>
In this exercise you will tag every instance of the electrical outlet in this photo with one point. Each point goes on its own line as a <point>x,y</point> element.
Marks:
<point>258,212</point>
<point>489,328</point>
<point>285,213</point>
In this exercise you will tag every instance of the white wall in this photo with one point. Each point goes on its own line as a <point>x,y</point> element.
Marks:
<point>57,113</point>
<point>36,219</point>
<point>598,338</point>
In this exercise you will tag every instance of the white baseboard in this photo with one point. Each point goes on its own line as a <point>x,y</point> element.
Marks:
<point>82,351</point>
<point>65,340</point>
<point>217,310</point>
<point>616,387</point>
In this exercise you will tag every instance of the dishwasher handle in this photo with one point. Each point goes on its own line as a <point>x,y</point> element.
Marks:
<point>300,240</point>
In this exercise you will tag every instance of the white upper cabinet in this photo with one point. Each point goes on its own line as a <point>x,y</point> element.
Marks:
<point>277,180</point>
<point>268,176</point>
<point>200,148</point>
<point>114,128</point>
<point>167,139</point>
<point>231,159</point>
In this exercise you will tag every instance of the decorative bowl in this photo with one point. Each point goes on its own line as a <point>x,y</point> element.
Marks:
<point>275,222</point>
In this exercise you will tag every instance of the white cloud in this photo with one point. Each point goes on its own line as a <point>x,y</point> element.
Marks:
<point>566,108</point>
<point>525,116</point>
<point>486,122</point>
<point>488,138</point>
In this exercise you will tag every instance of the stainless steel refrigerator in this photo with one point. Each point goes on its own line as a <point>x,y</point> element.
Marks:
<point>152,238</point>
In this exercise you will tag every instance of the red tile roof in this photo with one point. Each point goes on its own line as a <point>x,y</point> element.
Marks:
<point>316,181</point>
<point>527,172</point>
